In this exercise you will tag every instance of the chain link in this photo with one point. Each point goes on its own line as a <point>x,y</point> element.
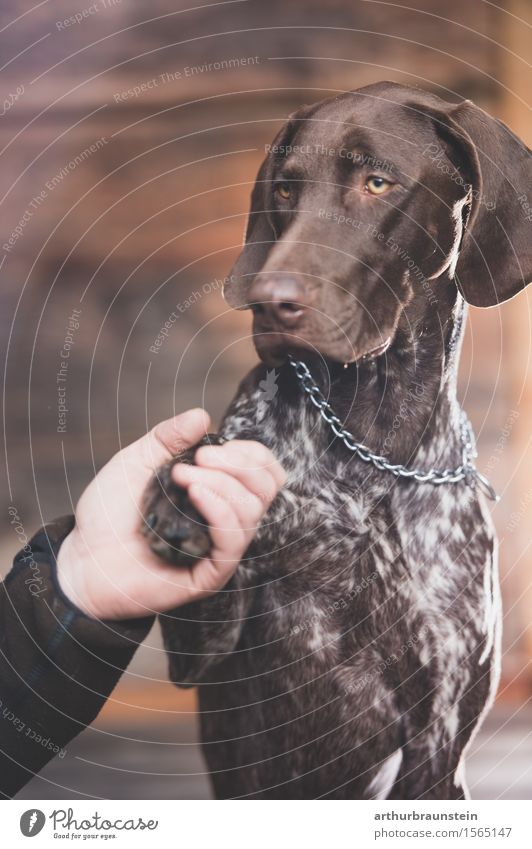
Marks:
<point>466,471</point>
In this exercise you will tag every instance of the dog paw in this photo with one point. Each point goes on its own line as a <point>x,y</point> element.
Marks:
<point>175,530</point>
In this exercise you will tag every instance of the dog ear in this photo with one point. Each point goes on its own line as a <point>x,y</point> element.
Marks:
<point>495,260</point>
<point>260,234</point>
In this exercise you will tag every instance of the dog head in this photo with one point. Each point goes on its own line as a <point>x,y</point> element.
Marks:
<point>362,202</point>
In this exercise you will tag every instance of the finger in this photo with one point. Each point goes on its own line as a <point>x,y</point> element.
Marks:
<point>228,539</point>
<point>249,462</point>
<point>170,437</point>
<point>248,452</point>
<point>247,506</point>
<point>210,576</point>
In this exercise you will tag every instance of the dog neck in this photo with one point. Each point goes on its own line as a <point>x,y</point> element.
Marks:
<point>403,403</point>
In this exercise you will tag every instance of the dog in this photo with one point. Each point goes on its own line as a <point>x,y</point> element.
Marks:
<point>355,651</point>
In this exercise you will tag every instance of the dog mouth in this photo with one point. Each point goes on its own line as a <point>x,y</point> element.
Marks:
<point>275,346</point>
<point>377,351</point>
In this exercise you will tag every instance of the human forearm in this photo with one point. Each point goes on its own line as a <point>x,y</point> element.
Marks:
<point>57,666</point>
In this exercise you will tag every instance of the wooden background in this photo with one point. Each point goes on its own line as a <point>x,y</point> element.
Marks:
<point>156,213</point>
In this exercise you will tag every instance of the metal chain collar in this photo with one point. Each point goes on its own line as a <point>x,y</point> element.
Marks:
<point>466,471</point>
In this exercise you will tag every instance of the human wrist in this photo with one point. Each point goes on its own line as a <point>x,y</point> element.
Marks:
<point>72,568</point>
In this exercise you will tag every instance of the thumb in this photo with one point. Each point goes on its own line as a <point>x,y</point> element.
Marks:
<point>172,436</point>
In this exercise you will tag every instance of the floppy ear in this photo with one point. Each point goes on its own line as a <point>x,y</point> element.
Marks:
<point>495,260</point>
<point>260,234</point>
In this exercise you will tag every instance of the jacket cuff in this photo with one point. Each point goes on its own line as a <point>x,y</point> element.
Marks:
<point>36,568</point>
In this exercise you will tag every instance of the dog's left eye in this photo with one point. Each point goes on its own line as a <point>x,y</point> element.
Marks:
<point>377,185</point>
<point>283,190</point>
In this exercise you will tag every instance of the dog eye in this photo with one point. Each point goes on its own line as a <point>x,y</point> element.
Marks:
<point>377,185</point>
<point>283,190</point>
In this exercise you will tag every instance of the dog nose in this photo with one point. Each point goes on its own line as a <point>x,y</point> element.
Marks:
<point>281,297</point>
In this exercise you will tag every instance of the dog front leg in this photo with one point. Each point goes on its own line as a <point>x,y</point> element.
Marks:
<point>431,769</point>
<point>198,636</point>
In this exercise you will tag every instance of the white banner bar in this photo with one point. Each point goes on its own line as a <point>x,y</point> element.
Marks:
<point>263,825</point>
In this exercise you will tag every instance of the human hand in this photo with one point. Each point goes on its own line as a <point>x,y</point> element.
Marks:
<point>105,565</point>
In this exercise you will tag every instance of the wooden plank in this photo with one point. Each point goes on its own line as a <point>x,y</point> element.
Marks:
<point>516,111</point>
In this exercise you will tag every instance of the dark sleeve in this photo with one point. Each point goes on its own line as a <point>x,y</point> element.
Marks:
<point>57,665</point>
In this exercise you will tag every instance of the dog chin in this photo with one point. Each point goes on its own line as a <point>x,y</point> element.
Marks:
<point>274,349</point>
<point>274,354</point>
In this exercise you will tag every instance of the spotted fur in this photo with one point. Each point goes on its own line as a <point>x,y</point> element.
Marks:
<point>360,629</point>
<point>356,649</point>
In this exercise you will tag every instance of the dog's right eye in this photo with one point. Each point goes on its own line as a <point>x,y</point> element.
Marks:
<point>376,185</point>
<point>284,190</point>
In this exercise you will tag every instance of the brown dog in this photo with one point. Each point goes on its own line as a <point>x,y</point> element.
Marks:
<point>355,650</point>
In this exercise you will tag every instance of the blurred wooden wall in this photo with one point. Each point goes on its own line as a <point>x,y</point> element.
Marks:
<point>157,212</point>
<point>516,109</point>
